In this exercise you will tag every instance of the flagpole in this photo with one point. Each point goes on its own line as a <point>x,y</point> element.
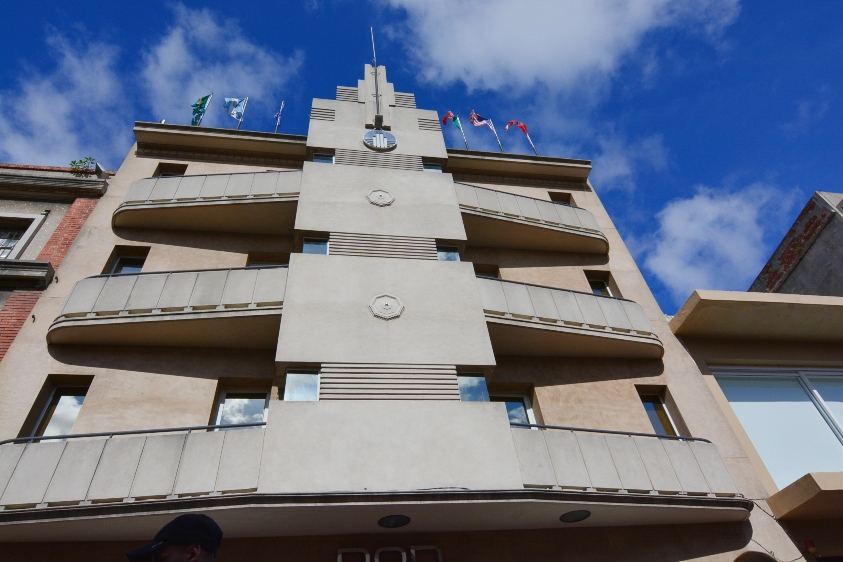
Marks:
<point>242,115</point>
<point>492,126</point>
<point>531,143</point>
<point>463,134</point>
<point>278,120</point>
<point>205,109</point>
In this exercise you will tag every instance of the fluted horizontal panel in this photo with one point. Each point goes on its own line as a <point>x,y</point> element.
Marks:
<point>378,160</point>
<point>407,101</point>
<point>372,245</point>
<point>322,114</point>
<point>349,381</point>
<point>429,124</point>
<point>344,93</point>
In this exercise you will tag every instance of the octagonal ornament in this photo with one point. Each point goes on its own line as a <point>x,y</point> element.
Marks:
<point>380,198</point>
<point>386,307</point>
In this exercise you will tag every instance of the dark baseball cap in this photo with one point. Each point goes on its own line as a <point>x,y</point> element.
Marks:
<point>188,529</point>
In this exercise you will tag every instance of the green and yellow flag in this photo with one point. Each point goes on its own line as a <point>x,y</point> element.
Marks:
<point>199,109</point>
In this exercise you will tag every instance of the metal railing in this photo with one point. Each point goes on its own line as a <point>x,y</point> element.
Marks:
<point>607,431</point>
<point>139,273</point>
<point>109,434</point>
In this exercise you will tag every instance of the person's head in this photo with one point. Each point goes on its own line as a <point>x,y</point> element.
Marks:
<point>187,538</point>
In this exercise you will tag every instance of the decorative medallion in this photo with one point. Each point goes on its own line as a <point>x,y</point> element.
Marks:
<point>380,198</point>
<point>377,139</point>
<point>386,307</point>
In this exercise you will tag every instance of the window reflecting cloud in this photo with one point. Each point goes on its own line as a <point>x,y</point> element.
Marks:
<point>64,415</point>
<point>301,387</point>
<point>242,408</point>
<point>473,388</point>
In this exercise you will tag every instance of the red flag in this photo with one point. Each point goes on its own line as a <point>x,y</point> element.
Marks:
<point>449,115</point>
<point>521,126</point>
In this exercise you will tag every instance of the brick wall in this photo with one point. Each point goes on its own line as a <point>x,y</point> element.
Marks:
<point>18,307</point>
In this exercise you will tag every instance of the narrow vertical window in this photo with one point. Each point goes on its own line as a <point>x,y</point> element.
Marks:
<point>473,388</point>
<point>61,411</point>
<point>519,408</point>
<point>659,418</point>
<point>301,387</point>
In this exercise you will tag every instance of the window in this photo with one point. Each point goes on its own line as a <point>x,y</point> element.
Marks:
<point>262,259</point>
<point>61,411</point>
<point>323,158</point>
<point>301,387</point>
<point>659,417</point>
<point>128,265</point>
<point>241,406</point>
<point>170,169</point>
<point>601,283</point>
<point>518,407</point>
<point>431,167</point>
<point>448,253</point>
<point>126,260</point>
<point>473,388</point>
<point>561,197</point>
<point>16,232</point>
<point>792,418</point>
<point>487,270</point>
<point>315,246</point>
<point>9,237</point>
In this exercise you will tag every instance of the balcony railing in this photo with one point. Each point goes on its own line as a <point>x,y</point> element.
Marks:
<point>133,308</point>
<point>615,461</point>
<point>529,319</point>
<point>259,203</point>
<point>497,219</point>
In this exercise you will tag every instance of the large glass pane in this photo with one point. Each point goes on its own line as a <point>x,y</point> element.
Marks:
<point>301,387</point>
<point>515,408</point>
<point>62,411</point>
<point>242,407</point>
<point>784,425</point>
<point>831,391</point>
<point>473,388</point>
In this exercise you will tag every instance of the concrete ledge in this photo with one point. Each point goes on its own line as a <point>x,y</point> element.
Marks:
<point>760,316</point>
<point>495,163</point>
<point>25,274</point>
<point>817,495</point>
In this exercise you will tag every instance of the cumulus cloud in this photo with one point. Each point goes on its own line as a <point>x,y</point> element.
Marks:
<point>619,161</point>
<point>717,239</point>
<point>562,44</point>
<point>199,55</point>
<point>76,109</point>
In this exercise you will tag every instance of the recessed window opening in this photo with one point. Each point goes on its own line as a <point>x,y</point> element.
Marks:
<point>315,246</point>
<point>793,418</point>
<point>432,167</point>
<point>240,406</point>
<point>170,169</point>
<point>519,407</point>
<point>473,388</point>
<point>262,259</point>
<point>487,270</point>
<point>561,197</point>
<point>601,283</point>
<point>658,414</point>
<point>125,264</point>
<point>61,411</point>
<point>448,253</point>
<point>301,386</point>
<point>323,158</point>
<point>126,260</point>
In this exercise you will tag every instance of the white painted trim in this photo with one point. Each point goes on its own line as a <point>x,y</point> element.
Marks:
<point>37,221</point>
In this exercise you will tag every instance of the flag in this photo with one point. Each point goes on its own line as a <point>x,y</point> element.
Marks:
<point>456,120</point>
<point>278,115</point>
<point>478,121</point>
<point>235,107</point>
<point>199,109</point>
<point>521,126</point>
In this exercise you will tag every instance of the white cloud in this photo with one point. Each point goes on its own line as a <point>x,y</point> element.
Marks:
<point>77,109</point>
<point>808,112</point>
<point>717,239</point>
<point>564,44</point>
<point>199,55</point>
<point>619,161</point>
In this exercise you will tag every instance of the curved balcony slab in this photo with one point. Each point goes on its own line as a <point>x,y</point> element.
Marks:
<point>251,203</point>
<point>502,220</point>
<point>231,308</point>
<point>528,319</point>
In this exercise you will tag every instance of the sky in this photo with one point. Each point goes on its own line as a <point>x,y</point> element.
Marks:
<point>709,123</point>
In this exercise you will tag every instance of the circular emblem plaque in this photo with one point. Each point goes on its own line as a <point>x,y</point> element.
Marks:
<point>386,307</point>
<point>376,139</point>
<point>380,198</point>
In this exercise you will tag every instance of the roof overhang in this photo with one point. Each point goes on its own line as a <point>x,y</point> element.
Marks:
<point>760,316</point>
<point>262,515</point>
<point>817,495</point>
<point>522,165</point>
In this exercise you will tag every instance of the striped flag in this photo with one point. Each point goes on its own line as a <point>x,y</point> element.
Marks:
<point>478,121</point>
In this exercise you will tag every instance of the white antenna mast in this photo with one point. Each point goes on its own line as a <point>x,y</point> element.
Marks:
<point>378,115</point>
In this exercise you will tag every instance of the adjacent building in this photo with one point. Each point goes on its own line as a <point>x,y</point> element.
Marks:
<point>359,345</point>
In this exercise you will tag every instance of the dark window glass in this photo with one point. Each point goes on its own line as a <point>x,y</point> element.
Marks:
<point>323,158</point>
<point>599,287</point>
<point>128,265</point>
<point>654,405</point>
<point>9,237</point>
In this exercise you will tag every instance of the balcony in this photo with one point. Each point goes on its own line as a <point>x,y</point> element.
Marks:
<point>532,320</point>
<point>502,220</point>
<point>254,203</point>
<point>337,467</point>
<point>232,308</point>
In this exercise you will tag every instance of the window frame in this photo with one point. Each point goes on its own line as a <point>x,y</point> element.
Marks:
<point>317,374</point>
<point>117,263</point>
<point>327,240</point>
<point>37,220</point>
<point>237,390</point>
<point>41,423</point>
<point>673,425</point>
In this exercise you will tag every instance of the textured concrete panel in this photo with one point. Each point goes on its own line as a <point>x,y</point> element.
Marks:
<point>239,185</point>
<point>158,465</point>
<point>628,463</point>
<point>659,469</point>
<point>85,293</point>
<point>387,445</point>
<point>568,464</point>
<point>713,468</point>
<point>207,293</point>
<point>165,189</point>
<point>598,461</point>
<point>239,288</point>
<point>214,186</point>
<point>518,300</point>
<point>199,463</point>
<point>492,296</point>
<point>614,313</point>
<point>114,294</point>
<point>116,470</point>
<point>442,322</point>
<point>146,292</point>
<point>177,290</point>
<point>190,188</point>
<point>75,471</point>
<point>685,465</point>
<point>533,458</point>
<point>568,308</point>
<point>239,465</point>
<point>270,286</point>
<point>9,456</point>
<point>140,190</point>
<point>543,305</point>
<point>590,309</point>
<point>33,474</point>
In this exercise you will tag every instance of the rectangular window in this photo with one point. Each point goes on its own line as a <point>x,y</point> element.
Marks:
<point>261,259</point>
<point>61,411</point>
<point>323,158</point>
<point>473,388</point>
<point>659,417</point>
<point>241,406</point>
<point>518,407</point>
<point>126,260</point>
<point>600,283</point>
<point>315,246</point>
<point>301,387</point>
<point>9,238</point>
<point>791,419</point>
<point>128,265</point>
<point>17,231</point>
<point>448,253</point>
<point>432,167</point>
<point>561,197</point>
<point>170,169</point>
<point>487,270</point>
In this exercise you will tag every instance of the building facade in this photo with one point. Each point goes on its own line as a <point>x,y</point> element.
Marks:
<point>433,353</point>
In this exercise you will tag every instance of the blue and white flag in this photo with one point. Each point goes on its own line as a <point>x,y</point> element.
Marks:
<point>235,107</point>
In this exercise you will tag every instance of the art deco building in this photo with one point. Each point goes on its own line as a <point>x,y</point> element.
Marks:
<point>435,354</point>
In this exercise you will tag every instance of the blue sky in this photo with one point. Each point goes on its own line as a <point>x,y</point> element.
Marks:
<point>709,123</point>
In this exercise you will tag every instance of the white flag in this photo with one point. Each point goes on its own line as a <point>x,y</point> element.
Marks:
<point>235,107</point>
